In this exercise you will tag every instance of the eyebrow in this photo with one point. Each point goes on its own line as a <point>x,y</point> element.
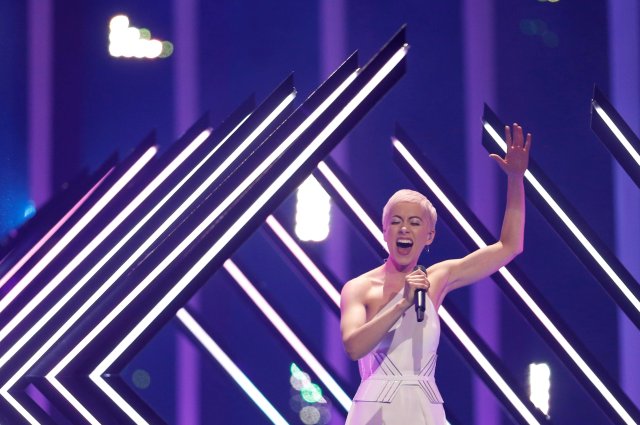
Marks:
<point>410,218</point>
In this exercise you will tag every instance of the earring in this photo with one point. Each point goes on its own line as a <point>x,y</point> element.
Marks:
<point>427,247</point>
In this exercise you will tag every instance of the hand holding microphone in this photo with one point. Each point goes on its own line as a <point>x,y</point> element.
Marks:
<point>419,298</point>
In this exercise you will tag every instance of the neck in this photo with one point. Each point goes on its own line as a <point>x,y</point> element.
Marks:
<point>392,268</point>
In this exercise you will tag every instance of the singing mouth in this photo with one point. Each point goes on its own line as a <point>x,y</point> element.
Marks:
<point>404,243</point>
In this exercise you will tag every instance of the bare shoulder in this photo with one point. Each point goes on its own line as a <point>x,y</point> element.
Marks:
<point>357,288</point>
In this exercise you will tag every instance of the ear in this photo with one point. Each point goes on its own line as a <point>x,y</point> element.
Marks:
<point>431,236</point>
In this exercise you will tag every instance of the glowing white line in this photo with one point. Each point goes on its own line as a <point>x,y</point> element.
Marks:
<point>351,201</point>
<point>65,272</point>
<point>304,259</point>
<point>616,131</point>
<point>542,317</point>
<point>234,371</point>
<point>290,336</point>
<point>73,232</point>
<point>51,232</point>
<point>95,242</point>
<point>572,227</point>
<point>486,365</point>
<point>246,216</point>
<point>175,215</point>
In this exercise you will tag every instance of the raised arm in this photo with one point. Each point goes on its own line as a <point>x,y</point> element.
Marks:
<point>488,260</point>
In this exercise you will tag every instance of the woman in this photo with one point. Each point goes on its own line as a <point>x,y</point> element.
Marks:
<point>396,354</point>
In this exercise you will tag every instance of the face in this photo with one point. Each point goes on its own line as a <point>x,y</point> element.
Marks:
<point>407,230</point>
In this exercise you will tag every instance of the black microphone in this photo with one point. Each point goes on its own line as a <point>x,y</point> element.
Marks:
<point>419,299</point>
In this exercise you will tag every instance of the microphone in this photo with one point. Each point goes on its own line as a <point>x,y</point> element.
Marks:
<point>419,299</point>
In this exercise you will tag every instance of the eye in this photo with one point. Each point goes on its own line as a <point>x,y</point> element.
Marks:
<point>395,221</point>
<point>416,223</point>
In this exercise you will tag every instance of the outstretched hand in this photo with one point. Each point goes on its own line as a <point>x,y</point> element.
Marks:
<point>516,160</point>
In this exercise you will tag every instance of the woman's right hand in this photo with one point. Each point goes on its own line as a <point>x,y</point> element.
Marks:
<point>417,279</point>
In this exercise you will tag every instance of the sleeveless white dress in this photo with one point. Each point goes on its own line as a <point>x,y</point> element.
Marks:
<point>398,385</point>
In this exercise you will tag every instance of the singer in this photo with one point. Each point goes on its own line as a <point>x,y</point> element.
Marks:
<point>396,352</point>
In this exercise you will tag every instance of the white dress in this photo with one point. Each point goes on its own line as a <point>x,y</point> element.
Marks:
<point>398,385</point>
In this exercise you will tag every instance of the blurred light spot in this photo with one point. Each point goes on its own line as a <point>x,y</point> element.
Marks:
<point>141,379</point>
<point>540,386</point>
<point>309,415</point>
<point>539,28</point>
<point>126,41</point>
<point>313,211</point>
<point>30,210</point>
<point>311,393</point>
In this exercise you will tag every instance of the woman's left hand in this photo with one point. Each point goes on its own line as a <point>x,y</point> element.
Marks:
<point>516,160</point>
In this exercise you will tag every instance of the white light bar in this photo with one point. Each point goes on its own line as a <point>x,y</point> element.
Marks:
<point>487,366</point>
<point>286,332</point>
<point>304,259</point>
<point>512,281</point>
<point>81,224</point>
<point>351,201</point>
<point>251,210</point>
<point>157,234</point>
<point>96,241</point>
<point>572,227</point>
<point>616,131</point>
<point>50,233</point>
<point>225,361</point>
<point>182,246</point>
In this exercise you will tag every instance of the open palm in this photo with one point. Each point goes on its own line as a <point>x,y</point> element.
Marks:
<point>516,160</point>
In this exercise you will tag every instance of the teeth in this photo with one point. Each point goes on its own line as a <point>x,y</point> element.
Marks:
<point>404,241</point>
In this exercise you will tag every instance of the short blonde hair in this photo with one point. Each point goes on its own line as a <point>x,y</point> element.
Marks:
<point>407,195</point>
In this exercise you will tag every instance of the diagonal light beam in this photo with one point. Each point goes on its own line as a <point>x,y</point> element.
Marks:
<point>537,311</point>
<point>625,287</point>
<point>247,215</point>
<point>230,367</point>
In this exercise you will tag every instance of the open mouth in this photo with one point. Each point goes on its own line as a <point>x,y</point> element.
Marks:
<point>404,245</point>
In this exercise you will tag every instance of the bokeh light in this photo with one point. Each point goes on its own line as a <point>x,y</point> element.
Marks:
<point>141,379</point>
<point>126,41</point>
<point>309,415</point>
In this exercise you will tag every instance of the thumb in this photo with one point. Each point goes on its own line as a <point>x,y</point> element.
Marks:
<point>501,162</point>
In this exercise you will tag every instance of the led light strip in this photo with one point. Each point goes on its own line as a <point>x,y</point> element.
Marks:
<point>293,340</point>
<point>95,242</point>
<point>539,313</point>
<point>51,232</point>
<point>351,201</point>
<point>221,357</point>
<point>246,216</point>
<point>81,224</point>
<point>442,312</point>
<point>304,259</point>
<point>113,278</point>
<point>4,391</point>
<point>134,257</point>
<point>51,376</point>
<point>571,226</point>
<point>616,131</point>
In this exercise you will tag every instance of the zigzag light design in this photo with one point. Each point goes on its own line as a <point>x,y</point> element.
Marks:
<point>529,303</point>
<point>136,305</point>
<point>605,267</point>
<point>365,88</point>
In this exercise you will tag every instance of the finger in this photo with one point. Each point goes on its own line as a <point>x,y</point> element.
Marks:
<point>518,139</point>
<point>501,162</point>
<point>527,145</point>
<point>507,135</point>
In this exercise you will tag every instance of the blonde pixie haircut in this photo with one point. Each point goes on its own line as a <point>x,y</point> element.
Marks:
<point>407,195</point>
